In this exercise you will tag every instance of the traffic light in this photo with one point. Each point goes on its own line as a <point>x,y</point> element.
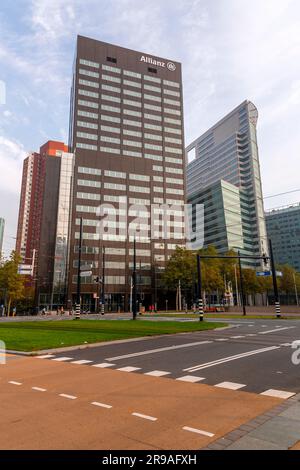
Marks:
<point>265,259</point>
<point>96,279</point>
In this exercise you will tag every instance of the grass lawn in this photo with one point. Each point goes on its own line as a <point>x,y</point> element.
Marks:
<point>33,336</point>
<point>224,315</point>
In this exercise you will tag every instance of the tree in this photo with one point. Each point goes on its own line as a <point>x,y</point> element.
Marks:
<point>211,270</point>
<point>10,281</point>
<point>181,266</point>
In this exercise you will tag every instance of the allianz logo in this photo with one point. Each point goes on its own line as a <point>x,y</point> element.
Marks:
<point>148,60</point>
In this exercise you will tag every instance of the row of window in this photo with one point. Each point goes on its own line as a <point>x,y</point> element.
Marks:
<point>128,73</point>
<point>117,130</point>
<point>128,112</point>
<point>131,143</point>
<point>137,104</point>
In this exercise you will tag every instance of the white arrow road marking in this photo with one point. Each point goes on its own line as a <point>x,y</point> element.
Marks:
<point>229,358</point>
<point>158,350</point>
<point>275,331</point>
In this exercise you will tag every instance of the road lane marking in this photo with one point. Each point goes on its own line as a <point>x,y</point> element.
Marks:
<point>198,431</point>
<point>102,405</point>
<point>45,356</point>
<point>128,369</point>
<point>286,344</point>
<point>103,365</point>
<point>251,334</point>
<point>61,359</point>
<point>158,350</point>
<point>229,359</point>
<point>14,383</point>
<point>230,385</point>
<point>82,361</point>
<point>275,331</point>
<point>190,378</point>
<point>157,373</point>
<point>237,337</point>
<point>39,389</point>
<point>139,415</point>
<point>222,339</point>
<point>70,397</point>
<point>278,394</point>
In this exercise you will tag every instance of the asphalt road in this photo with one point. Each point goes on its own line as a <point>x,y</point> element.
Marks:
<point>251,356</point>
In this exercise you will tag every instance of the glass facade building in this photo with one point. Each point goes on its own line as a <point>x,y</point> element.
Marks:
<point>283,227</point>
<point>229,152</point>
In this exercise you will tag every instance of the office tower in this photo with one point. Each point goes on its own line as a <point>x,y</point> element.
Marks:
<point>225,177</point>
<point>283,227</point>
<point>2,224</point>
<point>31,202</point>
<point>126,130</point>
<point>52,259</point>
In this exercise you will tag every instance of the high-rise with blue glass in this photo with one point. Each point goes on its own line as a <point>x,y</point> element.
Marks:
<point>224,176</point>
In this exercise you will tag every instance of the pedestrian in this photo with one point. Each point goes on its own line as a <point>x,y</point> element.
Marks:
<point>62,310</point>
<point>14,311</point>
<point>57,310</point>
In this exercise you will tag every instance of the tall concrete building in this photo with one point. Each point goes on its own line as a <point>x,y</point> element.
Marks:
<point>2,225</point>
<point>31,202</point>
<point>53,251</point>
<point>126,131</point>
<point>283,227</point>
<point>224,175</point>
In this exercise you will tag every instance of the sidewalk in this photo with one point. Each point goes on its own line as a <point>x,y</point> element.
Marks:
<point>278,429</point>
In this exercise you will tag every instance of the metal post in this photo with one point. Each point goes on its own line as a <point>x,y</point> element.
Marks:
<point>78,300</point>
<point>242,285</point>
<point>200,300</point>
<point>103,282</point>
<point>236,288</point>
<point>275,287</point>
<point>134,283</point>
<point>296,290</point>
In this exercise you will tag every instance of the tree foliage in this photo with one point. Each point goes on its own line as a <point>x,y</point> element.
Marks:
<point>11,283</point>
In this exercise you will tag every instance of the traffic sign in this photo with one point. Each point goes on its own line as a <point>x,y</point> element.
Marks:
<point>86,273</point>
<point>279,273</point>
<point>263,273</point>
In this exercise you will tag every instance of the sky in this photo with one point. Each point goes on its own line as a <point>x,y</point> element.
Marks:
<point>230,50</point>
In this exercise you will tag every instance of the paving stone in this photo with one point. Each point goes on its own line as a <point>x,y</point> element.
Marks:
<point>280,431</point>
<point>236,434</point>
<point>247,427</point>
<point>224,442</point>
<point>251,443</point>
<point>215,447</point>
<point>293,412</point>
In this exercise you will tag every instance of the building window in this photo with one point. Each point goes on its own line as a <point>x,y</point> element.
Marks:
<point>111,98</point>
<point>152,70</point>
<point>110,129</point>
<point>89,104</point>
<point>111,59</point>
<point>85,135</point>
<point>89,63</point>
<point>110,88</point>
<point>111,69</point>
<point>88,83</point>
<point>131,74</point>
<point>111,79</point>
